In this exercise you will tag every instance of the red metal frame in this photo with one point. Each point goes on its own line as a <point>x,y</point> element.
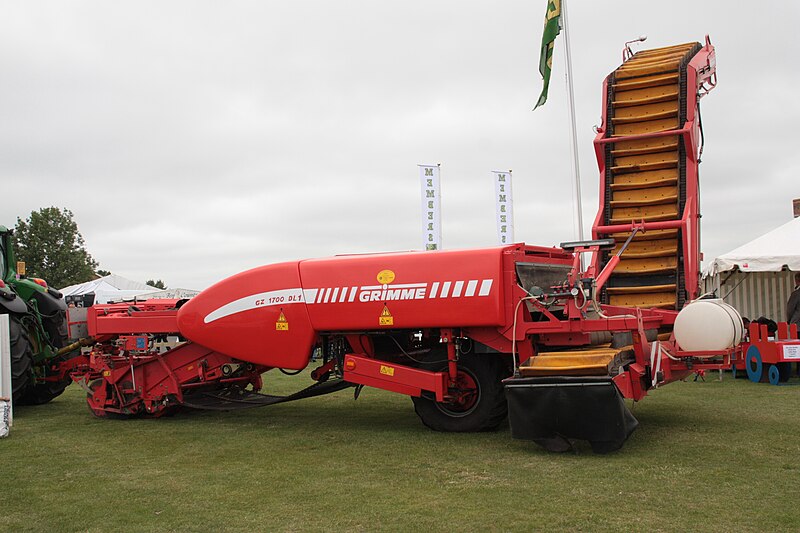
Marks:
<point>151,316</point>
<point>150,384</point>
<point>134,377</point>
<point>700,79</point>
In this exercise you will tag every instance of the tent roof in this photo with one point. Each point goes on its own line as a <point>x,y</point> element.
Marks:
<point>767,253</point>
<point>171,293</point>
<point>106,284</point>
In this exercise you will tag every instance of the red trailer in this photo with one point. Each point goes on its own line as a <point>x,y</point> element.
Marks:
<point>769,357</point>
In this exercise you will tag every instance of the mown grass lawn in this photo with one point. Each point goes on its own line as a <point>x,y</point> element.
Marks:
<point>713,456</point>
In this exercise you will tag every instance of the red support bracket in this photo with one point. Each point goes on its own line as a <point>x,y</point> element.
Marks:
<point>644,226</point>
<point>393,377</point>
<point>446,337</point>
<point>684,132</point>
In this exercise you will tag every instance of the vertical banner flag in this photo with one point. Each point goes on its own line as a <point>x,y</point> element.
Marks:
<point>504,206</point>
<point>431,207</point>
<point>552,27</point>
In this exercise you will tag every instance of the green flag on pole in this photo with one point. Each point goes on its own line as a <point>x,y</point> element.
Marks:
<point>552,27</point>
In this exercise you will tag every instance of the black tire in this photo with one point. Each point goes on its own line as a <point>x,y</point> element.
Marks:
<point>21,360</point>
<point>41,393</point>
<point>603,447</point>
<point>486,407</point>
<point>785,370</point>
<point>56,328</point>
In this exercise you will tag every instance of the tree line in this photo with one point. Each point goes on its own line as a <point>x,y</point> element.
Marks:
<point>52,247</point>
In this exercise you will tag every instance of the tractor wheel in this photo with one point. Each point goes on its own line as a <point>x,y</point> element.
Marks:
<point>42,393</point>
<point>479,402</point>
<point>56,328</point>
<point>21,360</point>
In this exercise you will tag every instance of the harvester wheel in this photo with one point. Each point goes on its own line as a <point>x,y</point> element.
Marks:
<point>95,409</point>
<point>93,386</point>
<point>479,402</point>
<point>21,359</point>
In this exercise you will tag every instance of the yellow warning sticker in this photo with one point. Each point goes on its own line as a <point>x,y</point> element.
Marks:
<point>282,324</point>
<point>387,370</point>
<point>106,373</point>
<point>385,277</point>
<point>386,318</point>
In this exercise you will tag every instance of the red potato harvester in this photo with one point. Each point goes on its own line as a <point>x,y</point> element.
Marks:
<point>472,336</point>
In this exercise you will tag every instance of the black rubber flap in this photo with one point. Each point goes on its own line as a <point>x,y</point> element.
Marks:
<point>553,411</point>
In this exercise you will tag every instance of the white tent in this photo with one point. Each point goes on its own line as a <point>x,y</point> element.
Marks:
<point>756,277</point>
<point>110,288</point>
<point>772,252</point>
<point>171,293</point>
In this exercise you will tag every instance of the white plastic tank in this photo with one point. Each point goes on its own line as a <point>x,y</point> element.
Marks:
<point>708,325</point>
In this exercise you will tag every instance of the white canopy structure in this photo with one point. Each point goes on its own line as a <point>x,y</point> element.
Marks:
<point>171,293</point>
<point>772,252</point>
<point>756,278</point>
<point>110,288</point>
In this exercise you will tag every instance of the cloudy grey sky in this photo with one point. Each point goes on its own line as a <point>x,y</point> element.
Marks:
<point>193,140</point>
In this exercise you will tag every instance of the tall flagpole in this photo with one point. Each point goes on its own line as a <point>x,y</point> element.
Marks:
<point>574,138</point>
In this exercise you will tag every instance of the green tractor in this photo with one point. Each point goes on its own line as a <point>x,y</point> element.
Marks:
<point>38,330</point>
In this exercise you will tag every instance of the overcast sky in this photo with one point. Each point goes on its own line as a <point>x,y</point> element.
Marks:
<point>193,140</point>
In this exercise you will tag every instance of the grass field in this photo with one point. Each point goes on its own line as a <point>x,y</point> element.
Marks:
<point>713,456</point>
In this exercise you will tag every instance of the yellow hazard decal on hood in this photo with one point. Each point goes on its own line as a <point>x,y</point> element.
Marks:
<point>282,324</point>
<point>386,318</point>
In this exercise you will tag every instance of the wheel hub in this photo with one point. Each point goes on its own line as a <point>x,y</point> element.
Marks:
<point>464,394</point>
